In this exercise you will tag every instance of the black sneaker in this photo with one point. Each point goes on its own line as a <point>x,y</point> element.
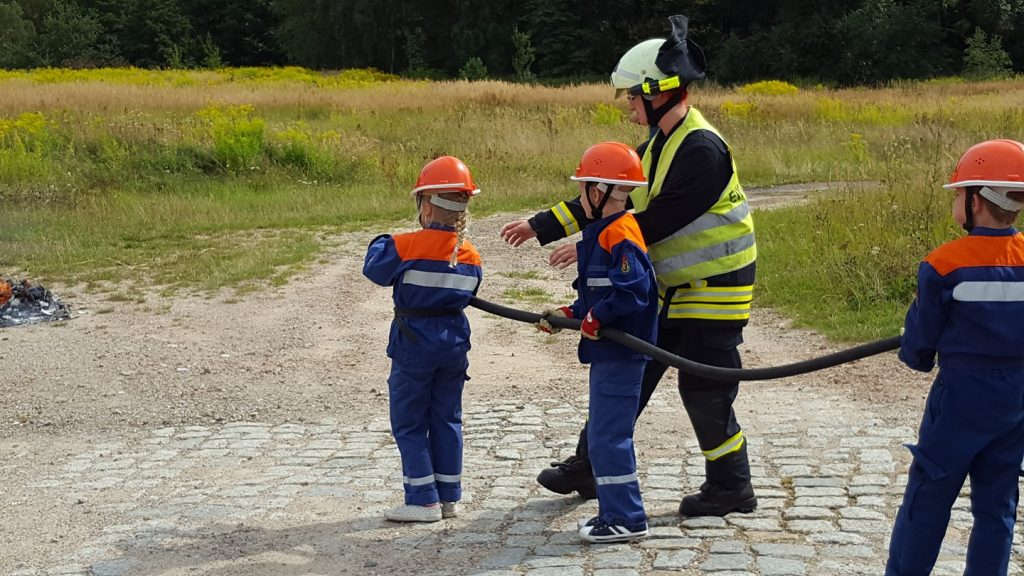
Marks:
<point>574,474</point>
<point>713,500</point>
<point>599,531</point>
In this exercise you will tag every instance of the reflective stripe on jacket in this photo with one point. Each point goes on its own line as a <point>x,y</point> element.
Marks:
<point>719,241</point>
<point>416,265</point>
<point>616,284</point>
<point>969,309</point>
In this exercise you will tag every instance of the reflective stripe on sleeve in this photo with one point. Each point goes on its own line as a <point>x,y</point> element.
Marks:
<point>440,280</point>
<point>599,281</point>
<point>989,292</point>
<point>728,447</point>
<point>566,219</point>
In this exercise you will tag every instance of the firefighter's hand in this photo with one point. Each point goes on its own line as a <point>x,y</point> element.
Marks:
<point>563,256</point>
<point>590,327</point>
<point>544,326</point>
<point>517,232</point>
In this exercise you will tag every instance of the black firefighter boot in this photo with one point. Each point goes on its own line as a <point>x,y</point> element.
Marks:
<point>572,474</point>
<point>726,490</point>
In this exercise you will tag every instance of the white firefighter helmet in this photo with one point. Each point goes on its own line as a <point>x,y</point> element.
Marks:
<point>660,64</point>
<point>637,66</point>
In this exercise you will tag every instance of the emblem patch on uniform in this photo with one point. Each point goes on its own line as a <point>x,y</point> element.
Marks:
<point>625,265</point>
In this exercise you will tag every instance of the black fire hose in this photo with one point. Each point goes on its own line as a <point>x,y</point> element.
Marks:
<point>695,368</point>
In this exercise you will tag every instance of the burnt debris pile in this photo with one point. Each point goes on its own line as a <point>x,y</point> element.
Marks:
<point>22,302</point>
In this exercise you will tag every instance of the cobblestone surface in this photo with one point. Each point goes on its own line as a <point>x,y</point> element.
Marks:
<point>261,498</point>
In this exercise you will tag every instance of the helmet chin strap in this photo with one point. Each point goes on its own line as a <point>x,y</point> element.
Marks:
<point>596,211</point>
<point>968,210</point>
<point>654,115</point>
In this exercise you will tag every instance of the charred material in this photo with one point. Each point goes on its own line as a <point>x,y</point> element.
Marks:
<point>22,302</point>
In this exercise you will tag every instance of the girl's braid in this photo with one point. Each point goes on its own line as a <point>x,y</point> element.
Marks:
<point>460,230</point>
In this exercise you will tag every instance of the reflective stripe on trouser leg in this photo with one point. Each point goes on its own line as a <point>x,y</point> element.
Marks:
<point>614,395</point>
<point>709,406</point>
<point>409,398</point>
<point>732,444</point>
<point>446,430</point>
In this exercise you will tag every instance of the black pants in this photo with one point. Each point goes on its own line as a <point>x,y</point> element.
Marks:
<point>708,402</point>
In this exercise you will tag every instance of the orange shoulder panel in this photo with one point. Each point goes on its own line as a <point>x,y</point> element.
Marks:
<point>431,244</point>
<point>467,254</point>
<point>978,251</point>
<point>625,228</point>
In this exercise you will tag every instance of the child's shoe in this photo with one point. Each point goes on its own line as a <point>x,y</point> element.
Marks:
<point>602,532</point>
<point>413,513</point>
<point>582,522</point>
<point>449,509</point>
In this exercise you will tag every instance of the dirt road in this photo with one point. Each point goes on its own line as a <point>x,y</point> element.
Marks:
<point>206,437</point>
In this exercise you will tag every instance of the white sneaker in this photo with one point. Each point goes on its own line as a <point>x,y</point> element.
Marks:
<point>602,531</point>
<point>584,522</point>
<point>449,509</point>
<point>413,513</point>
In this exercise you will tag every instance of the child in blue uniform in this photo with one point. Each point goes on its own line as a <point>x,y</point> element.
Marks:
<point>969,313</point>
<point>434,272</point>
<point>616,288</point>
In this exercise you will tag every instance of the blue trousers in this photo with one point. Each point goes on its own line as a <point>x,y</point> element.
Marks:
<point>973,426</point>
<point>614,396</point>
<point>426,421</point>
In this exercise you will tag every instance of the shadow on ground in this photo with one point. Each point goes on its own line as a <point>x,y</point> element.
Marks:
<point>358,546</point>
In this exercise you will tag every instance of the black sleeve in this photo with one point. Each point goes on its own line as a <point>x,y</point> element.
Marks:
<point>567,218</point>
<point>699,173</point>
<point>560,221</point>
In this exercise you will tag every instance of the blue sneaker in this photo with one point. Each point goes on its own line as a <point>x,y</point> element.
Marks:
<point>600,531</point>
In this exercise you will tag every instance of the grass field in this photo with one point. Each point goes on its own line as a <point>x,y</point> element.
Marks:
<point>203,180</point>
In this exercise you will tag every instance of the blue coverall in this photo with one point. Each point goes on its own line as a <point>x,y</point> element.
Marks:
<point>428,344</point>
<point>616,285</point>
<point>969,312</point>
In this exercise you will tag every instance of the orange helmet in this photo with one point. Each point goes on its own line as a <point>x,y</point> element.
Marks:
<point>997,166</point>
<point>611,163</point>
<point>445,174</point>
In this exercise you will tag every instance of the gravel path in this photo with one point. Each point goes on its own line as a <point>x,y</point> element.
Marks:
<point>196,436</point>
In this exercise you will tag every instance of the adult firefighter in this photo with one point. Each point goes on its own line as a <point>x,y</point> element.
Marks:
<point>696,222</point>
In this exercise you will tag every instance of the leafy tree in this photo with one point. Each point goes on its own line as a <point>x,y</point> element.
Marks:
<point>482,28</point>
<point>885,39</point>
<point>147,33</point>
<point>559,38</point>
<point>241,30</point>
<point>523,56</point>
<point>74,36</point>
<point>211,52</point>
<point>474,69</point>
<point>414,43</point>
<point>307,32</point>
<point>985,58</point>
<point>17,37</point>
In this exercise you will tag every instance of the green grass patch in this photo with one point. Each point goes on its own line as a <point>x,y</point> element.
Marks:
<point>523,274</point>
<point>845,264</point>
<point>526,294</point>
<point>126,179</point>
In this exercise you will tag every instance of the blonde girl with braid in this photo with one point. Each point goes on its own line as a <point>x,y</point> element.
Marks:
<point>433,273</point>
<point>447,209</point>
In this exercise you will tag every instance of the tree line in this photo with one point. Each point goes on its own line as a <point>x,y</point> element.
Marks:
<point>843,42</point>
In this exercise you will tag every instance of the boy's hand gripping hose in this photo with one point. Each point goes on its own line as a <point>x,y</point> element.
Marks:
<point>695,368</point>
